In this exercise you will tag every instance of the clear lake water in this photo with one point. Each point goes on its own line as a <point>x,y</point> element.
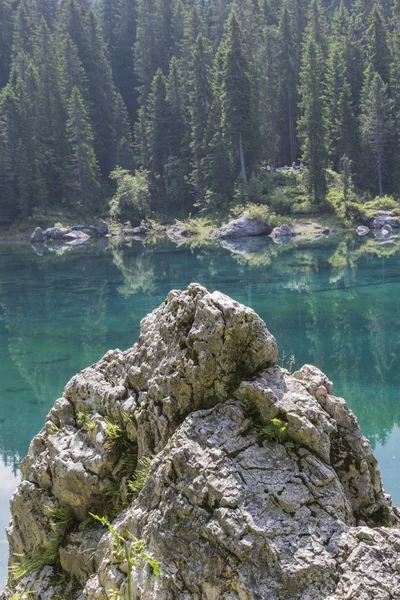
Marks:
<point>334,302</point>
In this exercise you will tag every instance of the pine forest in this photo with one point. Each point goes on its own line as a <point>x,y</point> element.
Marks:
<point>179,107</point>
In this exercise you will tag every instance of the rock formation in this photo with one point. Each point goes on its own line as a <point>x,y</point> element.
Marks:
<point>244,226</point>
<point>244,481</point>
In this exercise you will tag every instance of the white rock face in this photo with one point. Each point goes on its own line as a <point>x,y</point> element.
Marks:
<point>230,513</point>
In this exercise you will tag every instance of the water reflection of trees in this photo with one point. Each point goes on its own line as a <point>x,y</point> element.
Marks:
<point>330,302</point>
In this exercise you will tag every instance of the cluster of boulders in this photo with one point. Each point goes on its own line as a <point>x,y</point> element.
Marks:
<point>382,225</point>
<point>260,483</point>
<point>246,226</point>
<point>77,234</point>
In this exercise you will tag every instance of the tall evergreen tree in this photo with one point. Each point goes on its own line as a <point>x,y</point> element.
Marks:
<point>7,199</point>
<point>123,135</point>
<point>376,126</point>
<point>236,100</point>
<point>199,105</point>
<point>50,110</point>
<point>81,171</point>
<point>123,67</point>
<point>287,85</point>
<point>71,71</point>
<point>147,55</point>
<point>343,124</point>
<point>157,135</point>
<point>313,122</point>
<point>102,97</point>
<point>6,33</point>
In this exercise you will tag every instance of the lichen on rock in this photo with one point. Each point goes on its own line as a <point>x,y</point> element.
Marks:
<point>229,512</point>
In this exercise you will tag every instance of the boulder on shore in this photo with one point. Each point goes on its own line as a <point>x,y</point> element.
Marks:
<point>37,236</point>
<point>282,231</point>
<point>244,227</point>
<point>255,483</point>
<point>55,233</point>
<point>100,229</point>
<point>384,218</point>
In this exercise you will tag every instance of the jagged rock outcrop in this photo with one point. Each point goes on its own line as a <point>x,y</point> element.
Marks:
<point>261,484</point>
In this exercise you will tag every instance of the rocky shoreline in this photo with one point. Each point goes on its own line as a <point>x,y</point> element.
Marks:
<point>225,476</point>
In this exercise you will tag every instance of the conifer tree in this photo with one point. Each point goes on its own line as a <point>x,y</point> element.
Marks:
<point>123,135</point>
<point>23,30</point>
<point>6,33</point>
<point>376,126</point>
<point>147,58</point>
<point>50,110</point>
<point>157,135</point>
<point>109,18</point>
<point>236,100</point>
<point>287,85</point>
<point>313,122</point>
<point>102,97</point>
<point>7,199</point>
<point>81,171</point>
<point>378,55</point>
<point>71,71</point>
<point>199,105</point>
<point>343,125</point>
<point>123,67</point>
<point>178,164</point>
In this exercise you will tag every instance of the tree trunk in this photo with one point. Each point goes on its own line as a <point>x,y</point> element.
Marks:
<point>242,163</point>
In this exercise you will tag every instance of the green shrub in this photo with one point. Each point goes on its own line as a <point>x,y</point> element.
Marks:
<point>131,200</point>
<point>382,203</point>
<point>252,211</point>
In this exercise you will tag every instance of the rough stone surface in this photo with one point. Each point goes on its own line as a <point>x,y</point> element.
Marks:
<point>176,232</point>
<point>282,231</point>
<point>100,229</point>
<point>55,233</point>
<point>244,227</point>
<point>230,513</point>
<point>384,218</point>
<point>37,235</point>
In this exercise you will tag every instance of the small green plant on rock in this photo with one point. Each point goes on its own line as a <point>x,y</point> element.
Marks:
<point>46,555</point>
<point>139,477</point>
<point>62,522</point>
<point>84,420</point>
<point>116,436</point>
<point>276,430</point>
<point>132,551</point>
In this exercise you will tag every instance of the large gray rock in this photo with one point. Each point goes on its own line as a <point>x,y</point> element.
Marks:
<point>245,227</point>
<point>100,229</point>
<point>282,231</point>
<point>229,512</point>
<point>384,218</point>
<point>37,235</point>
<point>55,233</point>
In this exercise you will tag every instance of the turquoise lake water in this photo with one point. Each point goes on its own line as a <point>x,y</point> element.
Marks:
<point>333,302</point>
